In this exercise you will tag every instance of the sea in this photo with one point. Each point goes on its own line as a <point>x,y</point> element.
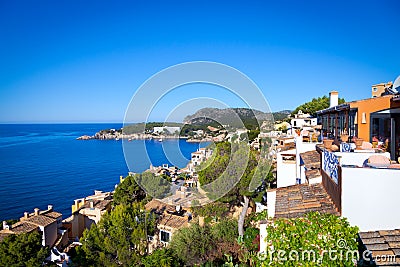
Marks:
<point>44,164</point>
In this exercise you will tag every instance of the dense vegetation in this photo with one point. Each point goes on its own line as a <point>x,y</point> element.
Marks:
<point>23,250</point>
<point>128,192</point>
<point>235,172</point>
<point>315,233</point>
<point>209,243</point>
<point>281,115</point>
<point>315,105</point>
<point>119,239</point>
<point>234,117</point>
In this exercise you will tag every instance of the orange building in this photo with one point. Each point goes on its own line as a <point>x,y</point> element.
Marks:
<point>377,117</point>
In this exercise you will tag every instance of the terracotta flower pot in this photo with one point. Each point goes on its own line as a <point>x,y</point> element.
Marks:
<point>334,148</point>
<point>344,138</point>
<point>328,143</point>
<point>359,142</point>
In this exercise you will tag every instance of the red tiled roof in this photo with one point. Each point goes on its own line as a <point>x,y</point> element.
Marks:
<point>383,243</point>
<point>158,207</point>
<point>41,220</point>
<point>297,200</point>
<point>98,204</point>
<point>173,221</point>
<point>311,159</point>
<point>23,227</point>
<point>53,214</point>
<point>312,173</point>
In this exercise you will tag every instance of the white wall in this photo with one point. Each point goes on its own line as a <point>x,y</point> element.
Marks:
<point>170,129</point>
<point>351,158</point>
<point>370,198</point>
<point>271,201</point>
<point>285,172</point>
<point>302,147</point>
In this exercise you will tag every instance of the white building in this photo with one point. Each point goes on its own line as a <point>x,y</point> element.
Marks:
<point>368,196</point>
<point>347,184</point>
<point>288,168</point>
<point>301,121</point>
<point>167,129</point>
<point>201,155</point>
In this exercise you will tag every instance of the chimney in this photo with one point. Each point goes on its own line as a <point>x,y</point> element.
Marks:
<point>5,226</point>
<point>26,215</point>
<point>49,207</point>
<point>333,99</point>
<point>91,205</point>
<point>36,211</point>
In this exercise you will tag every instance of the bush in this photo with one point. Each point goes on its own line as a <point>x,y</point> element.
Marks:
<point>306,241</point>
<point>161,258</point>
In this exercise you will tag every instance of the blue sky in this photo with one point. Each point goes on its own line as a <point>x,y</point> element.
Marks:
<point>81,61</point>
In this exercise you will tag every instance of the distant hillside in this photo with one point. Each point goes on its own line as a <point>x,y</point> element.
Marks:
<point>234,117</point>
<point>281,115</point>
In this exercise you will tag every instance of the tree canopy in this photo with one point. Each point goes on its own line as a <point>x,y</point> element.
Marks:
<point>313,234</point>
<point>209,243</point>
<point>161,258</point>
<point>234,172</point>
<point>315,105</point>
<point>23,250</point>
<point>155,186</point>
<point>119,239</point>
<point>128,192</point>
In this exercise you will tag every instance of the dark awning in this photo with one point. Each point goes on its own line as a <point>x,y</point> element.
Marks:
<point>333,109</point>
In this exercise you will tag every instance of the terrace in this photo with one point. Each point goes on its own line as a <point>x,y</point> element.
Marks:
<point>362,184</point>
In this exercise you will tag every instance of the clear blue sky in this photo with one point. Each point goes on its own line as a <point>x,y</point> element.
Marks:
<point>81,61</point>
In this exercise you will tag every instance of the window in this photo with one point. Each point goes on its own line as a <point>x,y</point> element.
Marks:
<point>375,89</point>
<point>165,236</point>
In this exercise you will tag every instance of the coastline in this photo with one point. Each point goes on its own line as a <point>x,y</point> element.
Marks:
<point>130,137</point>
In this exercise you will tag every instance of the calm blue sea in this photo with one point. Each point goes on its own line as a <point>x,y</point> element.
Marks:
<point>43,164</point>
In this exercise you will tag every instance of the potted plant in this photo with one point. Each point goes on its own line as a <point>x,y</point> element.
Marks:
<point>328,143</point>
<point>344,136</point>
<point>375,142</point>
<point>358,142</point>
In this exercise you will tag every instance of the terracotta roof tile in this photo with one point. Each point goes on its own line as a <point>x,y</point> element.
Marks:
<point>97,203</point>
<point>23,227</point>
<point>396,251</point>
<point>394,244</point>
<point>312,173</point>
<point>53,214</point>
<point>173,221</point>
<point>382,243</point>
<point>158,207</point>
<point>41,220</point>
<point>297,200</point>
<point>311,159</point>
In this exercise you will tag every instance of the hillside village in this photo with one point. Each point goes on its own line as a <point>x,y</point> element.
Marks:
<point>345,161</point>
